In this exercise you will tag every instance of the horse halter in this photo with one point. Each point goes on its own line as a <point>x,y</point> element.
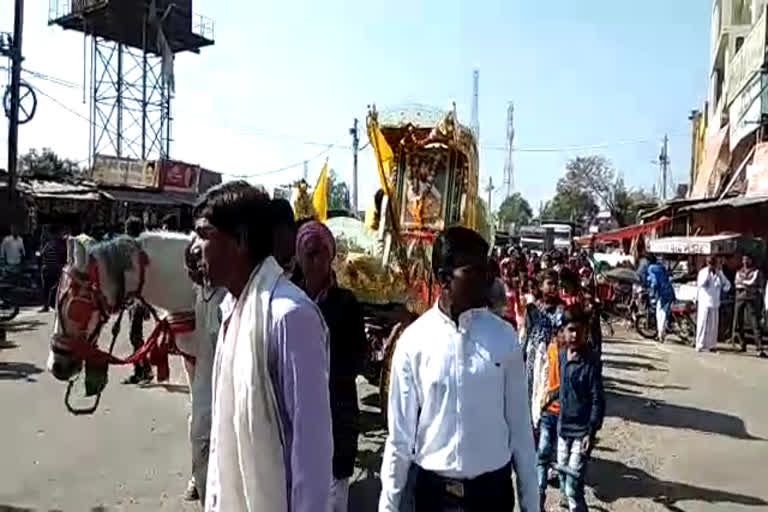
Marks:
<point>79,297</point>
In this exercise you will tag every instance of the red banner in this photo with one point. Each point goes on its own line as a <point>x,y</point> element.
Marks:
<point>179,176</point>
<point>628,232</point>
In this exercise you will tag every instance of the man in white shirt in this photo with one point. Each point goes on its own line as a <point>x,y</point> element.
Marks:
<point>458,398</point>
<point>12,249</point>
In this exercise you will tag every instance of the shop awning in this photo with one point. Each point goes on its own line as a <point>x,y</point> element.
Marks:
<point>82,196</point>
<point>154,198</point>
<point>733,202</point>
<point>625,233</point>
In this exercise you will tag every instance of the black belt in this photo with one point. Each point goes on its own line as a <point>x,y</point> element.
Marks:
<point>461,488</point>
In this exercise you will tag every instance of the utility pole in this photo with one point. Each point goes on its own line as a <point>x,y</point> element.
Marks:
<point>306,170</point>
<point>13,118</point>
<point>355,149</point>
<point>490,188</point>
<point>664,168</point>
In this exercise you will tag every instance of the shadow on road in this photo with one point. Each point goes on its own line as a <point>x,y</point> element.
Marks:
<point>630,366</point>
<point>171,388</point>
<point>19,371</point>
<point>23,325</point>
<point>664,414</point>
<point>11,508</point>
<point>365,489</point>
<point>630,382</point>
<point>613,480</point>
<point>633,355</point>
<point>371,400</point>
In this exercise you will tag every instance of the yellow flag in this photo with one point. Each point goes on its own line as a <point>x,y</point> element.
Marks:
<point>320,195</point>
<point>384,156</point>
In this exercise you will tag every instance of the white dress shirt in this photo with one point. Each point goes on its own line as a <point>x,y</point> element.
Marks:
<point>458,404</point>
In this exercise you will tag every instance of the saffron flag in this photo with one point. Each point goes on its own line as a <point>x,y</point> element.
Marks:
<point>320,195</point>
<point>384,156</point>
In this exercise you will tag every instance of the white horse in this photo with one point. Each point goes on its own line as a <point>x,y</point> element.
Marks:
<point>100,277</point>
<point>97,282</point>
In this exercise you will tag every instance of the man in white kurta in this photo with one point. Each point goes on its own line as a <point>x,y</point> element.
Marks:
<point>271,443</point>
<point>711,283</point>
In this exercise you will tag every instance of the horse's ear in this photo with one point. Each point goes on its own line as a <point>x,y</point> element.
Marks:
<point>78,253</point>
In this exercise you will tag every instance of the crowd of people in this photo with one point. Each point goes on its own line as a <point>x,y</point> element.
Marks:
<point>472,385</point>
<point>501,378</point>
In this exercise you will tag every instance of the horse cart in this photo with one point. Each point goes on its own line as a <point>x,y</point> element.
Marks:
<point>428,180</point>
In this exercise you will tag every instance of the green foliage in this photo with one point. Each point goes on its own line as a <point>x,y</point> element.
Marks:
<point>485,224</point>
<point>515,209</point>
<point>47,164</point>
<point>589,183</point>
<point>570,205</point>
<point>338,193</point>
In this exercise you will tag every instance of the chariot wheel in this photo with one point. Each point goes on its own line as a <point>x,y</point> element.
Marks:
<point>386,366</point>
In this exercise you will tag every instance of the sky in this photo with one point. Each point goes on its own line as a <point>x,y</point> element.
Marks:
<point>284,78</point>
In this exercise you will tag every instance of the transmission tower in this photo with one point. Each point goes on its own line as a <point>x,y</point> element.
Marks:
<point>476,104</point>
<point>509,164</point>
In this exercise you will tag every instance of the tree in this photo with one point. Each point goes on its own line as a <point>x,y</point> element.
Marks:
<point>338,193</point>
<point>630,202</point>
<point>47,164</point>
<point>570,205</point>
<point>515,209</point>
<point>590,182</point>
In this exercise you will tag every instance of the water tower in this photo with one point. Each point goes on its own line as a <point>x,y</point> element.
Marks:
<point>133,43</point>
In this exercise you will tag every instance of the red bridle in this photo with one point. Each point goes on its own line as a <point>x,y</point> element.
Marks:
<point>80,296</point>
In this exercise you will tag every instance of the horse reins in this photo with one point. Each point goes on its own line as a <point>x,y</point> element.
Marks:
<point>159,344</point>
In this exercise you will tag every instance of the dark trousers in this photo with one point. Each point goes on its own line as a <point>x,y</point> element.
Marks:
<point>747,311</point>
<point>137,314</point>
<point>489,492</point>
<point>49,277</point>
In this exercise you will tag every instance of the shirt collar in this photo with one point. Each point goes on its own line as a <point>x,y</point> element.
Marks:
<point>464,319</point>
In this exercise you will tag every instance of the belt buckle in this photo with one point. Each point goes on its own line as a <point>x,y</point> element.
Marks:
<point>455,488</point>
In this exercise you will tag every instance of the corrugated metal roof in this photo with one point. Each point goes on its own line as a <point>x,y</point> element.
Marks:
<point>52,188</point>
<point>733,202</point>
<point>158,198</point>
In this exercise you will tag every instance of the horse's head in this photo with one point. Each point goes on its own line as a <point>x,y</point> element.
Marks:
<point>92,287</point>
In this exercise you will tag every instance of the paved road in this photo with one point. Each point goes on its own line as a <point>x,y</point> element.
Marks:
<point>684,431</point>
<point>131,455</point>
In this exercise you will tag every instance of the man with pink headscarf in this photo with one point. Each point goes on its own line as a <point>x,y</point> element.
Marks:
<point>315,250</point>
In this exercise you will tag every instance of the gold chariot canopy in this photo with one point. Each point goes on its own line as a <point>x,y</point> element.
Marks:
<point>433,176</point>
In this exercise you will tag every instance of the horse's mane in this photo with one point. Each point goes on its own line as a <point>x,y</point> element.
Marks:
<point>116,255</point>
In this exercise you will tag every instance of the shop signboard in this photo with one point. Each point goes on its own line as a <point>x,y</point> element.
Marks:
<point>695,245</point>
<point>747,109</point>
<point>179,176</point>
<point>746,84</point>
<point>748,59</point>
<point>124,172</point>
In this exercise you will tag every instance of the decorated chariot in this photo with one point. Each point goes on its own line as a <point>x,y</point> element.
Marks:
<point>427,166</point>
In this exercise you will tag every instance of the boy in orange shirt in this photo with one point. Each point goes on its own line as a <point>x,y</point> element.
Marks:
<point>547,400</point>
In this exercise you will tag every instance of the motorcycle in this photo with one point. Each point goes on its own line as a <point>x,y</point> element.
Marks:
<point>680,321</point>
